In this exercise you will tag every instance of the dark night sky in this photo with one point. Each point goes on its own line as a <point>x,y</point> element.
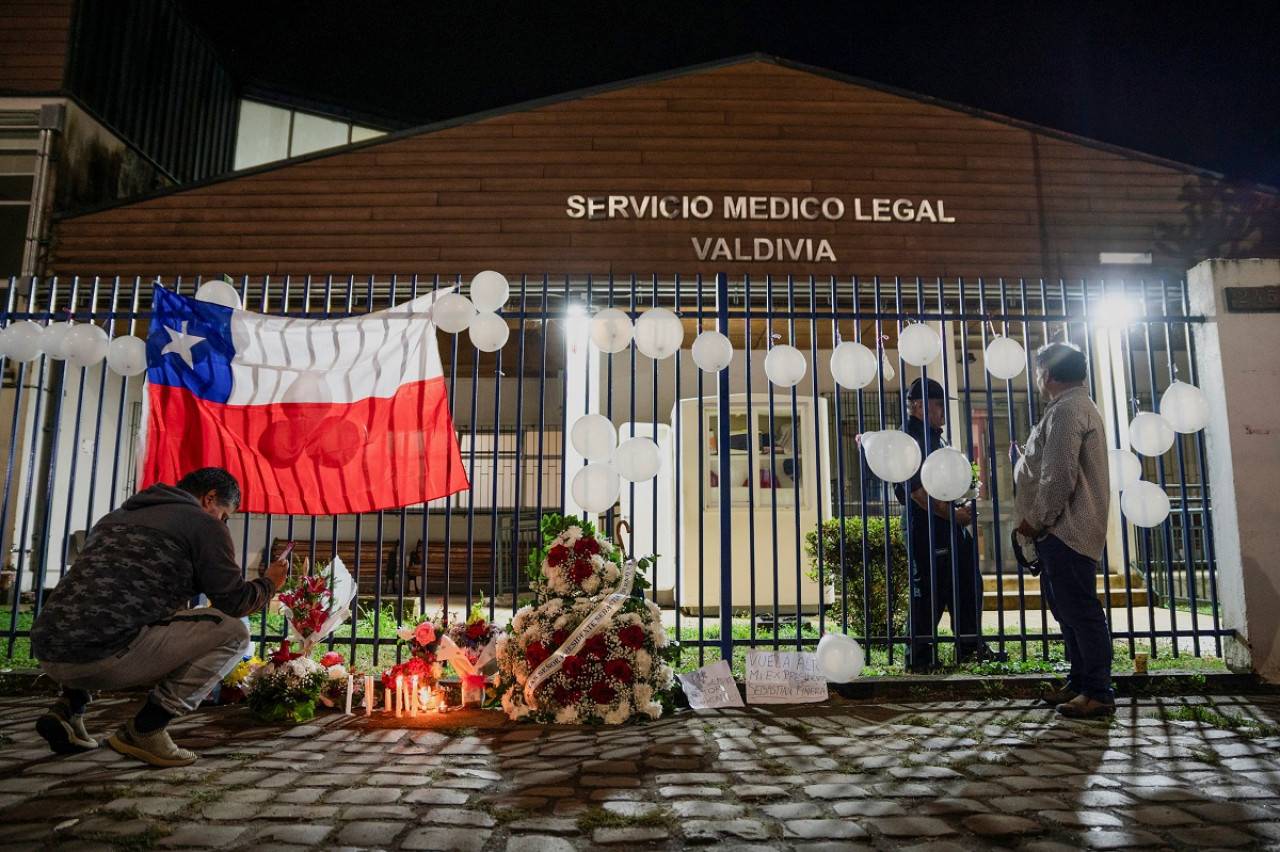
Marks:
<point>1194,82</point>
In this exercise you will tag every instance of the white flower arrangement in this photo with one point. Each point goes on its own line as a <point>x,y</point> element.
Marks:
<point>614,675</point>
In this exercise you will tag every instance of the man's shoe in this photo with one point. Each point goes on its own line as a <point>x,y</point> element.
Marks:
<point>1061,695</point>
<point>155,748</point>
<point>1084,707</point>
<point>63,730</point>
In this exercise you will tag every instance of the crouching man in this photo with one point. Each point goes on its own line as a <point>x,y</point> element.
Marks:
<point>118,619</point>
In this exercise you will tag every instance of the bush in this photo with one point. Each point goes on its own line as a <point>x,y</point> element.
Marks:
<point>868,608</point>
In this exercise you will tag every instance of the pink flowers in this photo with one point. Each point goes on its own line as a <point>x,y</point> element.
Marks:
<point>332,658</point>
<point>424,633</point>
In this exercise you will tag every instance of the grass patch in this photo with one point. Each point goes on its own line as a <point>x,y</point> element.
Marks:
<point>1207,755</point>
<point>600,818</point>
<point>205,797</point>
<point>501,814</point>
<point>916,720</point>
<point>146,839</point>
<point>240,755</point>
<point>1208,715</point>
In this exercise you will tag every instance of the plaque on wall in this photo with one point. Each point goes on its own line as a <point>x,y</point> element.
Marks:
<point>1253,300</point>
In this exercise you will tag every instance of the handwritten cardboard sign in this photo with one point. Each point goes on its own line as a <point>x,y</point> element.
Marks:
<point>784,677</point>
<point>710,687</point>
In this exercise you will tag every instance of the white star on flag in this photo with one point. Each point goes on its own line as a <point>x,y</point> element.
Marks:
<point>182,343</point>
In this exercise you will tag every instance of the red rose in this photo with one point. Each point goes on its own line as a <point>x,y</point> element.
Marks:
<point>580,570</point>
<point>602,693</point>
<point>573,667</point>
<point>619,670</point>
<point>596,647</point>
<point>586,546</point>
<point>559,637</point>
<point>632,636</point>
<point>536,653</point>
<point>566,697</point>
<point>558,554</point>
<point>477,630</point>
<point>333,658</point>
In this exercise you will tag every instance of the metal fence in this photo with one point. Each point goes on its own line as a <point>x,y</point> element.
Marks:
<point>751,470</point>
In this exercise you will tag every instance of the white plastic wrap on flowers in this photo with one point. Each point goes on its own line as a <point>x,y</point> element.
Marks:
<point>591,649</point>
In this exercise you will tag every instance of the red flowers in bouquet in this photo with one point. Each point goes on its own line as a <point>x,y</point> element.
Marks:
<point>309,602</point>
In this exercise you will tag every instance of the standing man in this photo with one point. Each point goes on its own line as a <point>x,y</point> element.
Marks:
<point>1063,494</point>
<point>943,574</point>
<point>118,618</point>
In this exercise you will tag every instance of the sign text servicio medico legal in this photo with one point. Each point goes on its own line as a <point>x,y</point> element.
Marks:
<point>759,208</point>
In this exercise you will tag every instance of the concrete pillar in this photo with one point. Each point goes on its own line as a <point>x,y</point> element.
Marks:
<point>1238,371</point>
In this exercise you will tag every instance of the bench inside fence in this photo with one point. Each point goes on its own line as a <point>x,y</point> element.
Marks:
<point>379,568</point>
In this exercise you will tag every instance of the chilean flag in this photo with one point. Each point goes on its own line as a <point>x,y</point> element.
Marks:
<point>313,417</point>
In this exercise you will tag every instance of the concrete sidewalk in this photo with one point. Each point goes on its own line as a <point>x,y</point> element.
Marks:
<point>917,765</point>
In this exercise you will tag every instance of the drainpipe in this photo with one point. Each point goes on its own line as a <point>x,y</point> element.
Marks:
<point>52,117</point>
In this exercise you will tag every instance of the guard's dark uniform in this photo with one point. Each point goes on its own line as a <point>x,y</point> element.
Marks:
<point>943,575</point>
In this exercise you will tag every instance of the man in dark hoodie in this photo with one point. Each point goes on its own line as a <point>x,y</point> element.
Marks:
<point>118,618</point>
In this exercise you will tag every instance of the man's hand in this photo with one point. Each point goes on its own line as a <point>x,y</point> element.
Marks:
<point>964,516</point>
<point>277,572</point>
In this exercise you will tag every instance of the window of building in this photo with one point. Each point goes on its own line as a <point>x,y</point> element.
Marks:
<point>18,145</point>
<point>270,133</point>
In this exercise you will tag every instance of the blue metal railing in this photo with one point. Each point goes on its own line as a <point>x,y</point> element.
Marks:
<point>71,438</point>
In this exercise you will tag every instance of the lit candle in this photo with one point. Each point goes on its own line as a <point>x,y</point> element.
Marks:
<point>413,696</point>
<point>399,695</point>
<point>351,687</point>
<point>368,695</point>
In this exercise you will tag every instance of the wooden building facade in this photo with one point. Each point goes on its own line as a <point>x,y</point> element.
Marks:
<point>755,166</point>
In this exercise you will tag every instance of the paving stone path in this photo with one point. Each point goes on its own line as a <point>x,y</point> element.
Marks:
<point>841,775</point>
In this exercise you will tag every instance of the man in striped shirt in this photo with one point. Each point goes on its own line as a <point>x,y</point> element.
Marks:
<point>1063,493</point>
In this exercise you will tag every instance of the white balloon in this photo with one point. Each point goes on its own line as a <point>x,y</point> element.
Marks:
<point>853,365</point>
<point>489,332</point>
<point>785,366</point>
<point>1150,434</point>
<point>611,330</point>
<point>127,355</point>
<point>659,333</point>
<point>219,293</point>
<point>1145,504</point>
<point>453,313</point>
<point>489,291</point>
<point>839,658</point>
<point>21,340</point>
<point>712,351</point>
<point>1185,407</point>
<point>53,339</point>
<point>1005,358</point>
<point>85,345</point>
<point>893,456</point>
<point>919,344</point>
<point>596,487</point>
<point>593,436</point>
<point>1126,469</point>
<point>638,460</point>
<point>946,474</point>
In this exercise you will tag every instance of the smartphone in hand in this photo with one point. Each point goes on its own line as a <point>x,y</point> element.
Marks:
<point>284,556</point>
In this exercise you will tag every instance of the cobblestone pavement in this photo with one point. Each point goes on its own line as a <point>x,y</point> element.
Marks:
<point>865,774</point>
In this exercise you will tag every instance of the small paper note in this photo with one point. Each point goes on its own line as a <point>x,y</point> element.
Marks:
<point>710,687</point>
<point>784,677</point>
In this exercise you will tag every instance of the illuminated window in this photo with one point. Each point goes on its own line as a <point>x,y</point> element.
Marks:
<point>269,133</point>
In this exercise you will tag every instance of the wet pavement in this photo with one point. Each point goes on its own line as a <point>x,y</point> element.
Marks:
<point>927,765</point>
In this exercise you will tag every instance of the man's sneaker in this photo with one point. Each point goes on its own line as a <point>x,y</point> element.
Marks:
<point>1061,695</point>
<point>1084,707</point>
<point>155,748</point>
<point>63,730</point>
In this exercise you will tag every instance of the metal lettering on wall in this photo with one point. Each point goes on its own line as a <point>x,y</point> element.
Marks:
<point>1253,300</point>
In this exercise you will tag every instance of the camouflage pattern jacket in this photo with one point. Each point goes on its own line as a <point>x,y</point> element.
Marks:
<point>141,564</point>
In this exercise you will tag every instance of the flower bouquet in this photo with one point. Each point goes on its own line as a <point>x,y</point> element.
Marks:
<point>422,641</point>
<point>288,686</point>
<point>585,650</point>
<point>470,647</point>
<point>338,679</point>
<point>234,685</point>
